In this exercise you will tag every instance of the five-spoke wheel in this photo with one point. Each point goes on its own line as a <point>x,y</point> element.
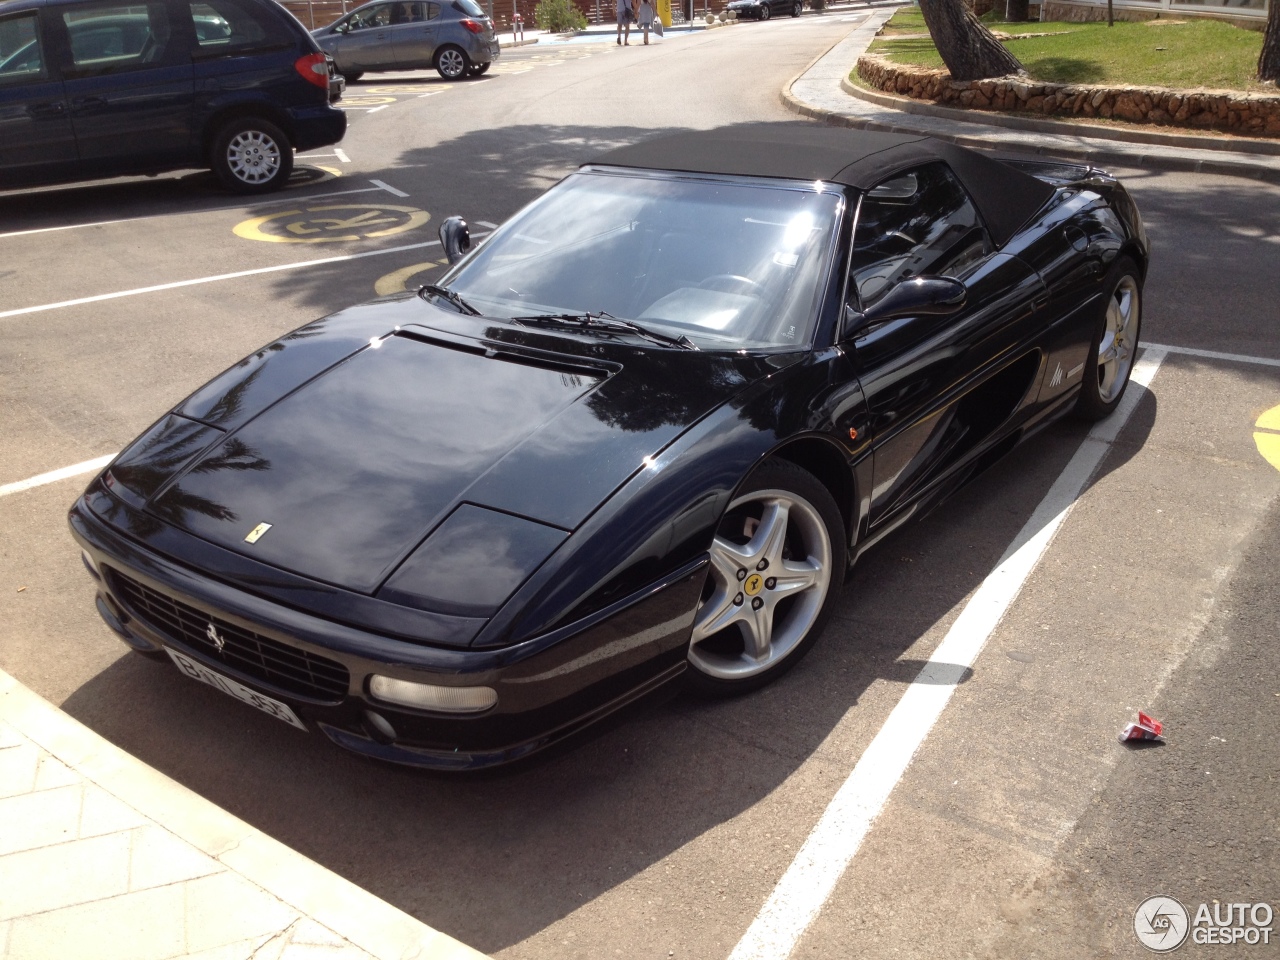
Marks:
<point>1115,344</point>
<point>776,561</point>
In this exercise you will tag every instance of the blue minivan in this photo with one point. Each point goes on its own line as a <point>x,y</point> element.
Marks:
<point>106,88</point>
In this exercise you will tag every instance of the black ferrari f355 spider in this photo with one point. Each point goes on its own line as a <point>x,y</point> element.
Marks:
<point>640,432</point>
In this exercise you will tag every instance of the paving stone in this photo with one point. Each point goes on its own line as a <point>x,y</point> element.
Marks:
<point>102,813</point>
<point>224,908</point>
<point>240,950</point>
<point>10,737</point>
<point>53,773</point>
<point>18,769</point>
<point>59,876</point>
<point>34,820</point>
<point>160,858</point>
<point>137,926</point>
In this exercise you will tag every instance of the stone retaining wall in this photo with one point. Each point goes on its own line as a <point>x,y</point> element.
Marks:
<point>1241,113</point>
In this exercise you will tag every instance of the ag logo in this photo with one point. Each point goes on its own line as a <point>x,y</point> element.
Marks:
<point>1161,924</point>
<point>332,223</point>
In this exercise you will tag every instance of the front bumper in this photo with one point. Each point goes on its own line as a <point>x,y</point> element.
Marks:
<point>548,687</point>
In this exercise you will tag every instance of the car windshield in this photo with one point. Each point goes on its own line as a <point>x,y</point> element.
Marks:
<point>727,264</point>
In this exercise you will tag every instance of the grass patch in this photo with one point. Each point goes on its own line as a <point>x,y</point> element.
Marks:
<point>1198,53</point>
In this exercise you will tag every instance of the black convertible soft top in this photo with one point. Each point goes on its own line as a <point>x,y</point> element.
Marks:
<point>1006,197</point>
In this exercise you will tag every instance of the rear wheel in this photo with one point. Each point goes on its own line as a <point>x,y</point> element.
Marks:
<point>352,75</point>
<point>452,63</point>
<point>777,562</point>
<point>251,155</point>
<point>765,11</point>
<point>796,8</point>
<point>1115,343</point>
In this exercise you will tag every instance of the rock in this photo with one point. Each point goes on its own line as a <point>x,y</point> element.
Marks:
<point>1037,103</point>
<point>1159,116</point>
<point>1098,97</point>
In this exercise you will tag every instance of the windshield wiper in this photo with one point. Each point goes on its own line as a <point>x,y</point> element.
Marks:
<point>606,321</point>
<point>449,296</point>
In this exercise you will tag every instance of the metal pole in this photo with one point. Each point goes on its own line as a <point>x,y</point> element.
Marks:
<point>311,13</point>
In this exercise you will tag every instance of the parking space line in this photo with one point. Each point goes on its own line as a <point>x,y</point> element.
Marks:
<point>98,298</point>
<point>391,190</point>
<point>53,476</point>
<point>828,850</point>
<point>370,109</point>
<point>1215,355</point>
<point>341,155</point>
<point>292,198</point>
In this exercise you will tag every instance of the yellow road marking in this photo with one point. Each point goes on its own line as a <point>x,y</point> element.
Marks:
<point>324,224</point>
<point>397,281</point>
<point>399,91</point>
<point>1267,436</point>
<point>363,101</point>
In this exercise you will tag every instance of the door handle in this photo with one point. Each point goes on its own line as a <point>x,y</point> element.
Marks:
<point>40,111</point>
<point>85,104</point>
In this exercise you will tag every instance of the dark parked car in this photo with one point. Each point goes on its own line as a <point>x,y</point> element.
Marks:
<point>104,88</point>
<point>640,433</point>
<point>454,37</point>
<point>765,9</point>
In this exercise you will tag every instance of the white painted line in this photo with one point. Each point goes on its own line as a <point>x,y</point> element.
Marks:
<point>813,874</point>
<point>233,206</point>
<point>313,156</point>
<point>486,223</point>
<point>214,279</point>
<point>423,96</point>
<point>53,476</point>
<point>1215,355</point>
<point>371,109</point>
<point>341,155</point>
<point>391,190</point>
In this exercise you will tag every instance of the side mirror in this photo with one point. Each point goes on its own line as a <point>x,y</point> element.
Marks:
<point>455,237</point>
<point>917,297</point>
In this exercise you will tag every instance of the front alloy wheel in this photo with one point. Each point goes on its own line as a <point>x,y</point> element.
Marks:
<point>1115,345</point>
<point>776,562</point>
<point>765,11</point>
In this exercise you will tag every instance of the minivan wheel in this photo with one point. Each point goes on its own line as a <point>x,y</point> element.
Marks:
<point>352,75</point>
<point>452,63</point>
<point>252,155</point>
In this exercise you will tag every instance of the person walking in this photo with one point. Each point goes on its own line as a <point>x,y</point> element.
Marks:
<point>626,13</point>
<point>646,16</point>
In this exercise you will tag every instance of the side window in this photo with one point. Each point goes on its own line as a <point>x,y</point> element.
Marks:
<point>409,13</point>
<point>21,57</point>
<point>107,39</point>
<point>235,27</point>
<point>379,16</point>
<point>920,223</point>
<point>433,10</point>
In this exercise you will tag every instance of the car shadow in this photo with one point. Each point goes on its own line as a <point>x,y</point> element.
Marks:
<point>494,859</point>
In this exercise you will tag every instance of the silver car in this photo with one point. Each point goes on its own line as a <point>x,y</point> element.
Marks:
<point>453,37</point>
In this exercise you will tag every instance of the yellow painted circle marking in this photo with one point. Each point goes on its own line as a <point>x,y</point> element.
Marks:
<point>332,223</point>
<point>1267,436</point>
<point>399,91</point>
<point>363,101</point>
<point>397,281</point>
<point>331,171</point>
<point>753,584</point>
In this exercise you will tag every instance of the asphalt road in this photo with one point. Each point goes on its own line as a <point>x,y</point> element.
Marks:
<point>1021,828</point>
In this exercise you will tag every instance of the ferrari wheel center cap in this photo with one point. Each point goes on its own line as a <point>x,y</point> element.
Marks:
<point>753,584</point>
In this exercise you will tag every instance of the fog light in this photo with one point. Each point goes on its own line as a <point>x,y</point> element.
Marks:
<point>428,696</point>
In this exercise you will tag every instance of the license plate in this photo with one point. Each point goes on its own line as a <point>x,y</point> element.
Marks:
<point>198,671</point>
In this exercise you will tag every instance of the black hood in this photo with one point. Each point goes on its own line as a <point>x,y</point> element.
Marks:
<point>355,466</point>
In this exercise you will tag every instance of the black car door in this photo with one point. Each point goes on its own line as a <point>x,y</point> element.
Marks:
<point>938,386</point>
<point>129,82</point>
<point>36,142</point>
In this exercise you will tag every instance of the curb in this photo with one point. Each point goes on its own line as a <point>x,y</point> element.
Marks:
<point>827,80</point>
<point>516,43</point>
<point>369,923</point>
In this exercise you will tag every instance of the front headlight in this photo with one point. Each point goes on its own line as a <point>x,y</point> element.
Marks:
<point>472,562</point>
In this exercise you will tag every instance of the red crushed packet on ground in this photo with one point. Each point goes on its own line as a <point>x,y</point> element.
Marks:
<point>1147,728</point>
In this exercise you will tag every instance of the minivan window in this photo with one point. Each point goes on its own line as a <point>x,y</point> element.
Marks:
<point>234,26</point>
<point>21,57</point>
<point>118,37</point>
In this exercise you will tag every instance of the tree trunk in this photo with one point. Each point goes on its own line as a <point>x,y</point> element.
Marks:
<point>966,46</point>
<point>1269,60</point>
<point>1015,11</point>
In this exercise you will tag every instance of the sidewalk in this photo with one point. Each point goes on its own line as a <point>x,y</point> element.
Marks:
<point>823,92</point>
<point>102,857</point>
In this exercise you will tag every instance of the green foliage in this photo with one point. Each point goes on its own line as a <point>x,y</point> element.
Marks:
<point>1195,53</point>
<point>558,16</point>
